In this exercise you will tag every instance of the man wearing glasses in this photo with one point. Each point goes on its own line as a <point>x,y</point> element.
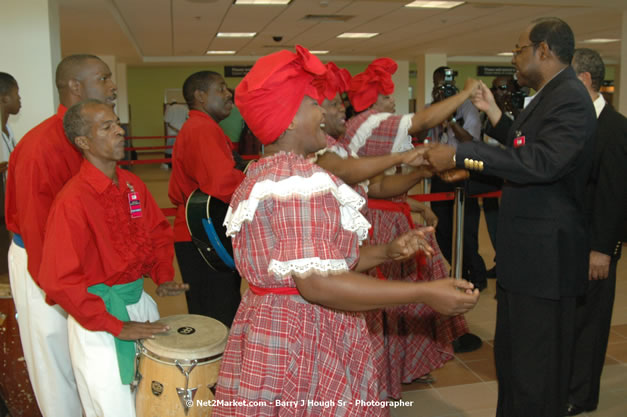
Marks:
<point>542,250</point>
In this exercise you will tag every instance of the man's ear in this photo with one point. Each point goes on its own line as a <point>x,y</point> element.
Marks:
<point>585,78</point>
<point>544,50</point>
<point>82,142</point>
<point>200,96</point>
<point>75,87</point>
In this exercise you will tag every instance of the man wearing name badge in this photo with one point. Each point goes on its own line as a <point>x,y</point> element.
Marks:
<point>104,233</point>
<point>203,159</point>
<point>542,240</point>
<point>607,216</point>
<point>40,165</point>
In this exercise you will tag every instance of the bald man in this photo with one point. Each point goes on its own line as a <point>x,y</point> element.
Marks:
<point>42,162</point>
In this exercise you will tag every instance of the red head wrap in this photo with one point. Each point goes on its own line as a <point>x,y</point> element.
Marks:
<point>332,82</point>
<point>376,79</point>
<point>270,94</point>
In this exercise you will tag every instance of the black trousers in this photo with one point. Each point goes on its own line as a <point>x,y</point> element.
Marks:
<point>593,322</point>
<point>533,348</point>
<point>473,266</point>
<point>211,293</point>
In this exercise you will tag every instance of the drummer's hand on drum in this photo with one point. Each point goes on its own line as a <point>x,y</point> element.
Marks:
<point>133,330</point>
<point>171,288</point>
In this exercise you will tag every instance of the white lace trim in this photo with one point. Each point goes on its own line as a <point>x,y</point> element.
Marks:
<point>304,187</point>
<point>402,141</point>
<point>365,130</point>
<point>307,266</point>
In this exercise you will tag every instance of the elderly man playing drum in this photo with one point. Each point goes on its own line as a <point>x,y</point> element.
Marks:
<point>105,232</point>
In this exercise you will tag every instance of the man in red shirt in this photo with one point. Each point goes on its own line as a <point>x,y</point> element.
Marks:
<point>104,233</point>
<point>202,158</point>
<point>42,162</point>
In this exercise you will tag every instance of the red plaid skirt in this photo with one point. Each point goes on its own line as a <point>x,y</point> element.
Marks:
<point>417,339</point>
<point>287,357</point>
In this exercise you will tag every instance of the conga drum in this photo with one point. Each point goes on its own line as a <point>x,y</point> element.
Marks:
<point>15,388</point>
<point>178,370</point>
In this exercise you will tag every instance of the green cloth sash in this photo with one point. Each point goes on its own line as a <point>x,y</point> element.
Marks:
<point>116,298</point>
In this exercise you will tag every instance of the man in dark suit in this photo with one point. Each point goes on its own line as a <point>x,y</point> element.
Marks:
<point>542,249</point>
<point>606,206</point>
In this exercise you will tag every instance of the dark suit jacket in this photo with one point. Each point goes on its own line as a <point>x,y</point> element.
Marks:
<point>542,239</point>
<point>607,186</point>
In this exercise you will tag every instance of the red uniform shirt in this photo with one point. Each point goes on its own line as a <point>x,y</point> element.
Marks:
<point>41,164</point>
<point>91,238</point>
<point>202,158</point>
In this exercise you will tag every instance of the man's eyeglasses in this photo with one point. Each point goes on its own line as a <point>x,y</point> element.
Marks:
<point>518,49</point>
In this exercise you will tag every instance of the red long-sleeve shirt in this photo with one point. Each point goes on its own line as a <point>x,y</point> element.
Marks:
<point>91,238</point>
<point>202,158</point>
<point>40,165</point>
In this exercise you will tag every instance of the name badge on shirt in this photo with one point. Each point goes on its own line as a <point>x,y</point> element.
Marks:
<point>134,203</point>
<point>519,141</point>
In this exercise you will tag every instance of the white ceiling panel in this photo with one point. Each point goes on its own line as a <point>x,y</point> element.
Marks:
<point>134,29</point>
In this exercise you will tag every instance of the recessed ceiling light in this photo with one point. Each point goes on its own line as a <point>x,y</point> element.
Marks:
<point>220,52</point>
<point>354,35</point>
<point>600,40</point>
<point>435,4</point>
<point>319,52</point>
<point>236,34</point>
<point>506,54</point>
<point>263,2</point>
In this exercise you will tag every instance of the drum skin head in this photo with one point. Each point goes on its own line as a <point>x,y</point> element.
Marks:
<point>190,336</point>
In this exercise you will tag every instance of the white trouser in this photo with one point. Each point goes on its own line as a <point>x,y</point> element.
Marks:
<point>96,365</point>
<point>43,332</point>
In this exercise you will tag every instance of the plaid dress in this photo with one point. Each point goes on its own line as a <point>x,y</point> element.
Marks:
<point>417,339</point>
<point>286,356</point>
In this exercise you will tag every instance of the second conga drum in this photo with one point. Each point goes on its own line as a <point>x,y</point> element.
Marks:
<point>178,369</point>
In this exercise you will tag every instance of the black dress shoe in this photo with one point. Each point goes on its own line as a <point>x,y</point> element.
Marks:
<point>491,273</point>
<point>467,343</point>
<point>575,410</point>
<point>481,285</point>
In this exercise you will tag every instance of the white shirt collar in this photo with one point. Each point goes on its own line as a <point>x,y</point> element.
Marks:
<point>599,104</point>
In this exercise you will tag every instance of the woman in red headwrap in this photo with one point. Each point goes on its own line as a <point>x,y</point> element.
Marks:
<point>417,340</point>
<point>299,344</point>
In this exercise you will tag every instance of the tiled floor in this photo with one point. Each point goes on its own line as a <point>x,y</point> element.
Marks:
<point>465,386</point>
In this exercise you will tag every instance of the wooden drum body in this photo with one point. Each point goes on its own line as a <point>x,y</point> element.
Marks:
<point>178,370</point>
<point>15,388</point>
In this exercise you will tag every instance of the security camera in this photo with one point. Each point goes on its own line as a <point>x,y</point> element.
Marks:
<point>277,38</point>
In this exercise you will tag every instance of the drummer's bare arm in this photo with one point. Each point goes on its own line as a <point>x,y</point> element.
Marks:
<point>352,291</point>
<point>401,248</point>
<point>133,330</point>
<point>171,288</point>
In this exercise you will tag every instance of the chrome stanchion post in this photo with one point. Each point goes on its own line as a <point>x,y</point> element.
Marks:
<point>458,233</point>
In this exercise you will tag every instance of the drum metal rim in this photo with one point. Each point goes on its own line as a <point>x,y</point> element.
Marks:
<point>172,361</point>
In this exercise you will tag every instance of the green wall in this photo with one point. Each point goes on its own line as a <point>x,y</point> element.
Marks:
<point>146,86</point>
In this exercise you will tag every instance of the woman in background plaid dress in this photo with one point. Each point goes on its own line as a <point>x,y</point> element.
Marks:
<point>299,344</point>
